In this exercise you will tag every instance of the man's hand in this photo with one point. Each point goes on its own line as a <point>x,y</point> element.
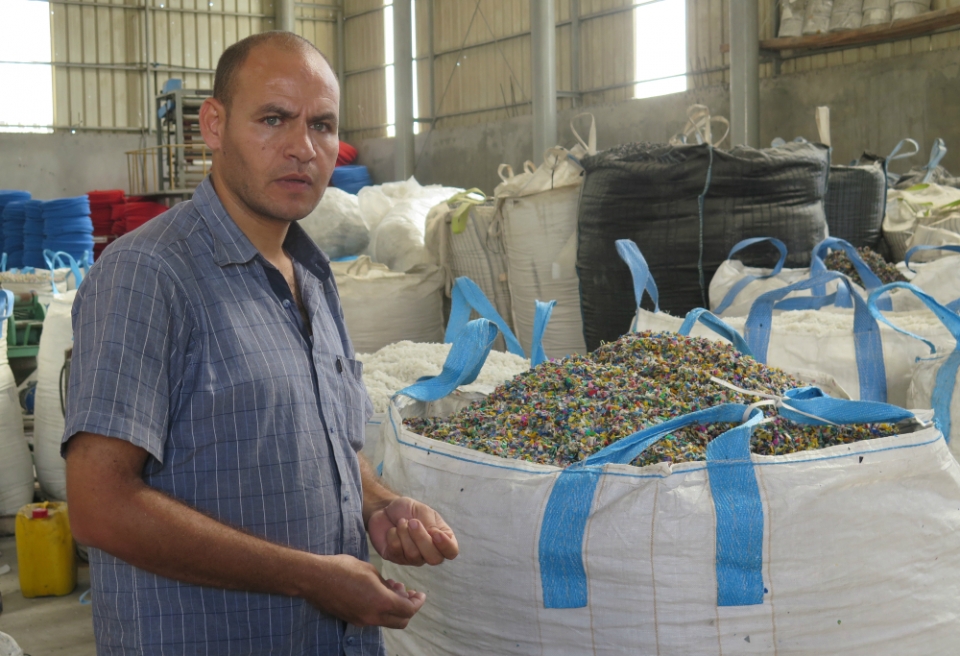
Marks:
<point>363,597</point>
<point>408,532</point>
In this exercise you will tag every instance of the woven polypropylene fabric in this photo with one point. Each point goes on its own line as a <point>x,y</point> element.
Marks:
<point>856,201</point>
<point>482,258</point>
<point>651,193</point>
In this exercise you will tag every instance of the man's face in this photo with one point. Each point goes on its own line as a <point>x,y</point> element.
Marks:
<point>278,142</point>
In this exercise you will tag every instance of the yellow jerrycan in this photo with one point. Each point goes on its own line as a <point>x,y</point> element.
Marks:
<point>45,551</point>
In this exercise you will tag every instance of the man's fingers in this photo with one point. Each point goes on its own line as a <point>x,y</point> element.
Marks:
<point>424,543</point>
<point>445,542</point>
<point>410,551</point>
<point>394,551</point>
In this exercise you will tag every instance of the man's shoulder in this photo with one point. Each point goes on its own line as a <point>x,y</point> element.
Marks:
<point>166,238</point>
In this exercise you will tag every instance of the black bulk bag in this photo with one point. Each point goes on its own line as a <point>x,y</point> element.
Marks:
<point>856,201</point>
<point>686,207</point>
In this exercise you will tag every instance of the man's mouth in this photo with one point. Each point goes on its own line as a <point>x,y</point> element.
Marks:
<point>295,181</point>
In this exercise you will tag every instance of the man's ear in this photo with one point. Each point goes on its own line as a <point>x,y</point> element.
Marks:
<point>213,119</point>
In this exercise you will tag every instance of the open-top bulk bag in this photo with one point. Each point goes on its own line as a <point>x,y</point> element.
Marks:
<point>539,214</point>
<point>870,361</point>
<point>381,306</point>
<point>467,300</point>
<point>939,278</point>
<point>687,206</point>
<point>735,286</point>
<point>690,559</point>
<point>933,381</point>
<point>16,464</point>
<point>48,424</point>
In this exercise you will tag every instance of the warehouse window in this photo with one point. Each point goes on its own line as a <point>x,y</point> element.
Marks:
<point>26,76</point>
<point>660,48</point>
<point>389,71</point>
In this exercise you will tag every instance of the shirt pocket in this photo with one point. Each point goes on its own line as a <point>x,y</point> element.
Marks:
<point>355,405</point>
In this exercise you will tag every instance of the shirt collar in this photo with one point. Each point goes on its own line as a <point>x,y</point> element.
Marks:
<point>231,246</point>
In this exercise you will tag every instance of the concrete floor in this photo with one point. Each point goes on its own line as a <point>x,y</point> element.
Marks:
<point>45,626</point>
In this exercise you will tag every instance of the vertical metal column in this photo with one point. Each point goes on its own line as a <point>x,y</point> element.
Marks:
<point>403,89</point>
<point>744,73</point>
<point>341,63</point>
<point>543,36</point>
<point>575,50</point>
<point>433,76</point>
<point>284,16</point>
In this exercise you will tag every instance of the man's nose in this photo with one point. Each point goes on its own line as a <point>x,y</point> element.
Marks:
<point>300,143</point>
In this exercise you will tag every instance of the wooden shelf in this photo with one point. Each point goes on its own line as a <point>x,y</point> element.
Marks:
<point>928,23</point>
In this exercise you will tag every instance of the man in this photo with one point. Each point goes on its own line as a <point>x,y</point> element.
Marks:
<point>215,411</point>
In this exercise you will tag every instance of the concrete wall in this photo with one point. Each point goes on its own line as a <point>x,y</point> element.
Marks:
<point>63,164</point>
<point>873,106</point>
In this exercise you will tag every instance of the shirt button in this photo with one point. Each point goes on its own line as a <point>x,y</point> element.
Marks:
<point>346,497</point>
<point>351,640</point>
<point>286,304</point>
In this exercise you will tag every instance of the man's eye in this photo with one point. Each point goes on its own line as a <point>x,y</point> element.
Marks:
<point>272,121</point>
<point>321,127</point>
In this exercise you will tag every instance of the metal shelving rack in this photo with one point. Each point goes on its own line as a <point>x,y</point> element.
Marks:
<point>182,157</point>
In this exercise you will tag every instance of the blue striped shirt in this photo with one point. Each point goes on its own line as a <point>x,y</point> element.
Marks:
<point>183,348</point>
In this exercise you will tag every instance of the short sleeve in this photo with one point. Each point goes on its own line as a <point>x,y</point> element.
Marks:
<point>131,332</point>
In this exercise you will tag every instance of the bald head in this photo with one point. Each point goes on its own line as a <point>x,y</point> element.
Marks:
<point>233,58</point>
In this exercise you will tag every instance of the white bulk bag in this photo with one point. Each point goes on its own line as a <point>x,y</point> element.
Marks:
<point>934,379</point>
<point>336,225</point>
<point>539,216</point>
<point>467,299</point>
<point>16,465</point>
<point>870,361</point>
<point>743,554</point>
<point>931,235</point>
<point>463,236</point>
<point>41,281</point>
<point>735,286</point>
<point>48,425</point>
<point>939,278</point>
<point>381,306</point>
<point>920,204</point>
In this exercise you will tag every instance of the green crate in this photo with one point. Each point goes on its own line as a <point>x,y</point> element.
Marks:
<point>24,326</point>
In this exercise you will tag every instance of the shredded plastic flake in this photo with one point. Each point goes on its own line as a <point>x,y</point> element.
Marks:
<point>563,411</point>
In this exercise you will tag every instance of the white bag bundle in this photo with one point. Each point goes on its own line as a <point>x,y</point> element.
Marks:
<point>381,306</point>
<point>398,239</point>
<point>909,8</point>
<point>846,15</point>
<point>875,12</point>
<point>16,465</point>
<point>816,19</point>
<point>791,17</point>
<point>735,286</point>
<point>871,362</point>
<point>713,553</point>
<point>336,225</point>
<point>376,201</point>
<point>539,216</point>
<point>48,425</point>
<point>933,382</point>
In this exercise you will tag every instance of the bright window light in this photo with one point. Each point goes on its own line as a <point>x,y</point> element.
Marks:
<point>26,98</point>
<point>389,70</point>
<point>660,48</point>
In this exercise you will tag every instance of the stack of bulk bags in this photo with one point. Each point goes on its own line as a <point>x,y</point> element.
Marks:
<point>16,465</point>
<point>463,235</point>
<point>539,209</point>
<point>856,201</point>
<point>694,558</point>
<point>48,424</point>
<point>381,306</point>
<point>687,206</point>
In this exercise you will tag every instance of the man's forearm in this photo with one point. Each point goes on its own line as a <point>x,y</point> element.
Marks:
<point>376,495</point>
<point>163,536</point>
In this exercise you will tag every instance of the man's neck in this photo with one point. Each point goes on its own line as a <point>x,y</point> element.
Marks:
<point>266,235</point>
